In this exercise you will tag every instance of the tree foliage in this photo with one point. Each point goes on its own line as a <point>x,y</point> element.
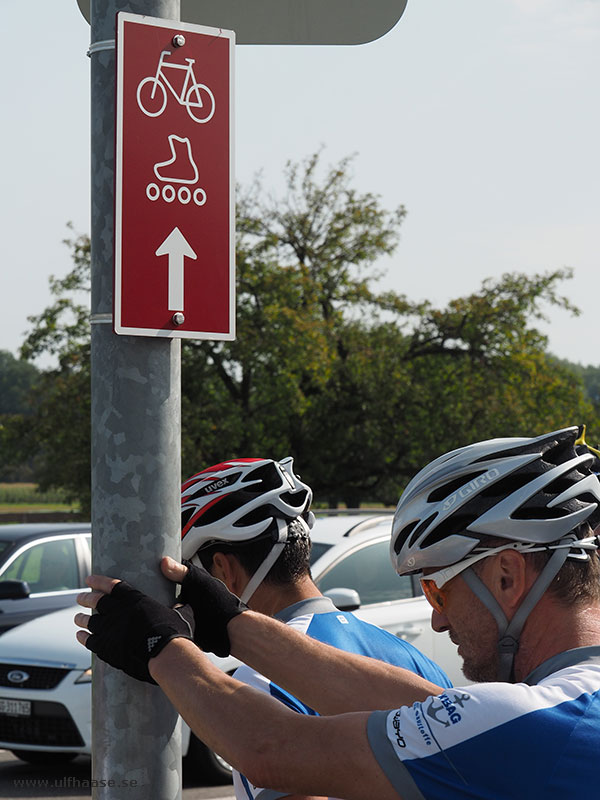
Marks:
<point>590,377</point>
<point>55,433</point>
<point>361,387</point>
<point>364,387</point>
<point>16,379</point>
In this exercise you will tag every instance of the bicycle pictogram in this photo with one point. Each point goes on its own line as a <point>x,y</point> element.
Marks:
<point>196,97</point>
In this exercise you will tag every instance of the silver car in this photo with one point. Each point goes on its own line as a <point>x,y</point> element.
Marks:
<point>42,568</point>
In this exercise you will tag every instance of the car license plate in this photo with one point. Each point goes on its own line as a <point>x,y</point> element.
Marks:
<point>15,708</point>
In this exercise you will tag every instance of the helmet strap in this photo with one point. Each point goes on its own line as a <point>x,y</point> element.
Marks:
<point>272,556</point>
<point>509,632</point>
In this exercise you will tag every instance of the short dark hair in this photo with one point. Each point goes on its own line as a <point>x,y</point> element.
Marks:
<point>292,564</point>
<point>577,581</point>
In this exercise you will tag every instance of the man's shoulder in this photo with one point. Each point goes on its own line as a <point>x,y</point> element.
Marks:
<point>581,658</point>
<point>346,631</point>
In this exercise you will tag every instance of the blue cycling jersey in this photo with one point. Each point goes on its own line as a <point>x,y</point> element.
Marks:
<point>499,741</point>
<point>321,620</point>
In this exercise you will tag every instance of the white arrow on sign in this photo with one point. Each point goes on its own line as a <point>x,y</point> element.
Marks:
<point>177,248</point>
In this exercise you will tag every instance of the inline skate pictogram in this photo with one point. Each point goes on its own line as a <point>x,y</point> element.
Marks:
<point>181,169</point>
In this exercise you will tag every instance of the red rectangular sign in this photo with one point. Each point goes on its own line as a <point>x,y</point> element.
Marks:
<point>174,185</point>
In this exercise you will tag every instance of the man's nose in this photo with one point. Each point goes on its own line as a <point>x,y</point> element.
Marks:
<point>439,622</point>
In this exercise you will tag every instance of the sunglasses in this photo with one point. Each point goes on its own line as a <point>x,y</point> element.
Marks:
<point>433,583</point>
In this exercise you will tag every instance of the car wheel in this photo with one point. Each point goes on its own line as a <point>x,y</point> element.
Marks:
<point>37,757</point>
<point>203,764</point>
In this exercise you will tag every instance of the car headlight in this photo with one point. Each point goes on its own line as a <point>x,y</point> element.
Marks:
<point>85,677</point>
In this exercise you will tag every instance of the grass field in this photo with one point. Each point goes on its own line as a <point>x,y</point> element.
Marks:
<point>19,497</point>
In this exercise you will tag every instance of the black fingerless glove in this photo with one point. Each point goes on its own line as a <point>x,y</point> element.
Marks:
<point>130,628</point>
<point>213,606</point>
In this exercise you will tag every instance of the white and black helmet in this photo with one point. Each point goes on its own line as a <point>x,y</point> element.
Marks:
<point>533,493</point>
<point>241,500</point>
<point>529,490</point>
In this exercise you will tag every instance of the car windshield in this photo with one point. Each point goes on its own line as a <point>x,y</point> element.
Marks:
<point>4,546</point>
<point>317,550</point>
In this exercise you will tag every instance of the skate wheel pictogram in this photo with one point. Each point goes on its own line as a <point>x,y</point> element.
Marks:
<point>168,193</point>
<point>199,197</point>
<point>184,195</point>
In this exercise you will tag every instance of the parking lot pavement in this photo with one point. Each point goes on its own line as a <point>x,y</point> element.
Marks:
<point>72,781</point>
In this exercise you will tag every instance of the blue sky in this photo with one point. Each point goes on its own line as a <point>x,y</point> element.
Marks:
<point>482,118</point>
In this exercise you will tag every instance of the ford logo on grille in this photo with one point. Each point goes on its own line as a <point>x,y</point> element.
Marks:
<point>17,676</point>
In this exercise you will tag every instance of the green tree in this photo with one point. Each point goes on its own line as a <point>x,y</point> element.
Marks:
<point>302,265</point>
<point>361,387</point>
<point>588,375</point>
<point>55,434</point>
<point>406,390</point>
<point>16,379</point>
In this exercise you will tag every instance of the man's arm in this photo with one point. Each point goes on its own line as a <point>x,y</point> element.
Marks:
<point>270,744</point>
<point>258,735</point>
<point>244,790</point>
<point>329,680</point>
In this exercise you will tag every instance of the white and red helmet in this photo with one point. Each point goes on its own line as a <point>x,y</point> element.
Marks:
<point>240,500</point>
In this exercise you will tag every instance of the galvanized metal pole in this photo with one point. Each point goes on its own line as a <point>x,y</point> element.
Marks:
<point>136,740</point>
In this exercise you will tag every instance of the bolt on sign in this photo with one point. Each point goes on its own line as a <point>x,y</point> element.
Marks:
<point>174,184</point>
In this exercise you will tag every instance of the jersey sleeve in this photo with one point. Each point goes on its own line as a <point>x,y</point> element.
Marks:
<point>444,747</point>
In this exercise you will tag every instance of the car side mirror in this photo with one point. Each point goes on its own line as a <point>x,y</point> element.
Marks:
<point>14,590</point>
<point>344,599</point>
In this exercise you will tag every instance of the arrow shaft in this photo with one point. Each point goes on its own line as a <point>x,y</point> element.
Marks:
<point>175,281</point>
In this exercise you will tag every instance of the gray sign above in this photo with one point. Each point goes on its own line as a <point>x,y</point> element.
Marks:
<point>292,21</point>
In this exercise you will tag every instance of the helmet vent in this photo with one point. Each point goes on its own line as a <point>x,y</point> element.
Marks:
<point>224,506</point>
<point>262,479</point>
<point>420,528</point>
<point>295,499</point>
<point>403,536</point>
<point>256,515</point>
<point>536,508</point>
<point>562,451</point>
<point>556,448</point>
<point>507,485</point>
<point>453,486</point>
<point>456,524</point>
<point>563,483</point>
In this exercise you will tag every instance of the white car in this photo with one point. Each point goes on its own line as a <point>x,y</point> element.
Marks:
<point>45,674</point>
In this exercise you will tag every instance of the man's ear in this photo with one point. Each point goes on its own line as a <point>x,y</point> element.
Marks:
<point>228,569</point>
<point>511,580</point>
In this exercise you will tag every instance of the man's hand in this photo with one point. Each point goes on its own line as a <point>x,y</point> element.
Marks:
<point>130,628</point>
<point>214,606</point>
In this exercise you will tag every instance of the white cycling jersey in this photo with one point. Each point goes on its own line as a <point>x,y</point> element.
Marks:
<point>320,619</point>
<point>499,741</point>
